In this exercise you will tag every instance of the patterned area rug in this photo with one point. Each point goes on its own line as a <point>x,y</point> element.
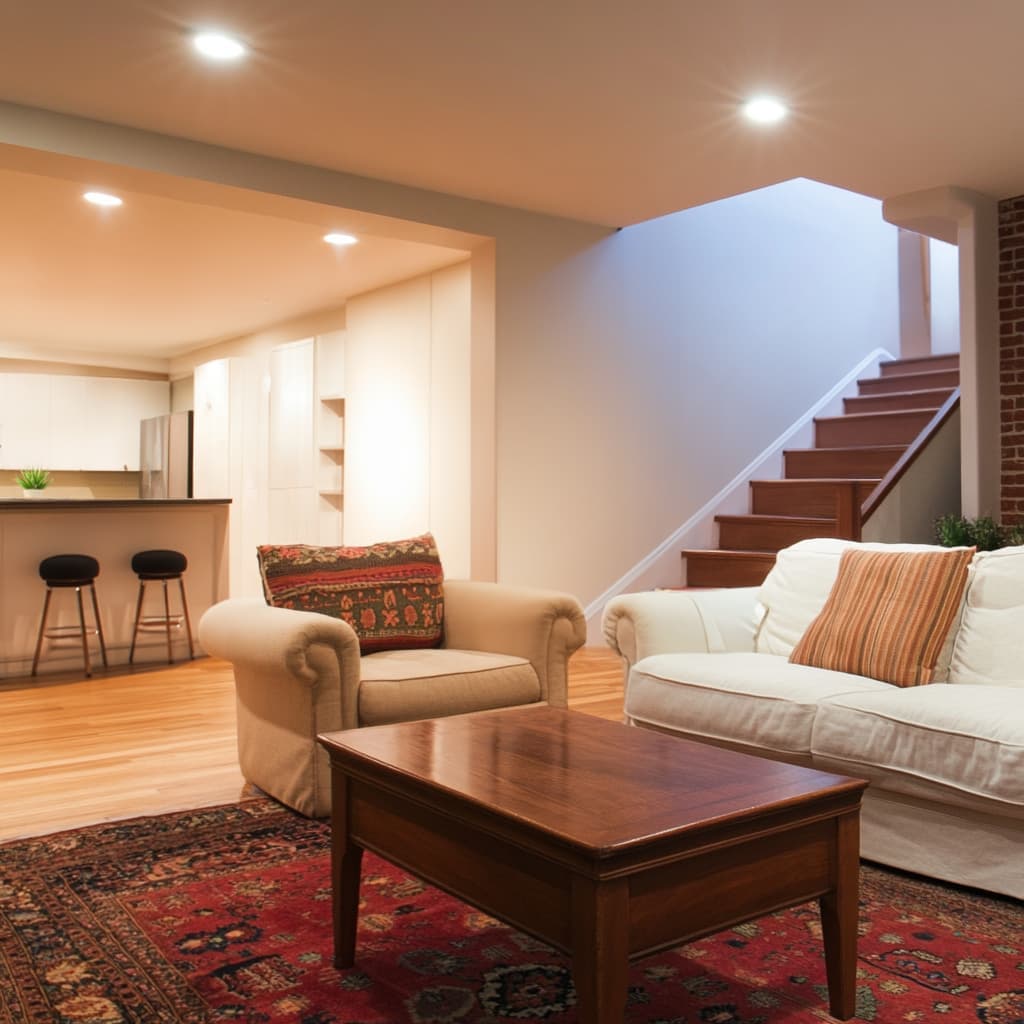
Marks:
<point>224,914</point>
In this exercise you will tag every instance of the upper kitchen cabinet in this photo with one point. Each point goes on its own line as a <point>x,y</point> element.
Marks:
<point>60,422</point>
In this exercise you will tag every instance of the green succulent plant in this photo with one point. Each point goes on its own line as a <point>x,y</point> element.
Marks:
<point>33,479</point>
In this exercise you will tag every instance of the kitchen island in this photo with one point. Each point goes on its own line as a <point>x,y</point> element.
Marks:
<point>111,530</point>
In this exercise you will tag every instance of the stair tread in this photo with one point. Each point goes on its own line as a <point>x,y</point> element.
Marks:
<point>935,357</point>
<point>851,417</point>
<point>788,481</point>
<point>762,517</point>
<point>887,448</point>
<point>910,377</point>
<point>742,554</point>
<point>908,392</point>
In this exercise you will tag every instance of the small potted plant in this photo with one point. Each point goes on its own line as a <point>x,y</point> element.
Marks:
<point>33,482</point>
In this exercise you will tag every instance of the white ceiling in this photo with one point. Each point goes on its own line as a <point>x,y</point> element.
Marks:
<point>612,111</point>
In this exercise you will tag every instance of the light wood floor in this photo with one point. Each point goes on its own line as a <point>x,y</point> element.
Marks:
<point>76,751</point>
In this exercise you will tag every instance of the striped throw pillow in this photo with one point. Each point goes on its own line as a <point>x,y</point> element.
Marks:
<point>390,593</point>
<point>887,615</point>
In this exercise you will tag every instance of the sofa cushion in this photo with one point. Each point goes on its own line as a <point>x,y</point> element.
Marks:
<point>989,647</point>
<point>401,686</point>
<point>931,740</point>
<point>796,589</point>
<point>390,593</point>
<point>759,700</point>
<point>888,614</point>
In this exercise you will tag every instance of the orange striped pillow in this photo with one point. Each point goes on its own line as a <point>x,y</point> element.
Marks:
<point>887,615</point>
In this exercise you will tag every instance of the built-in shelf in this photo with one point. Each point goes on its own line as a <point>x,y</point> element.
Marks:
<point>333,493</point>
<point>332,398</point>
<point>332,449</point>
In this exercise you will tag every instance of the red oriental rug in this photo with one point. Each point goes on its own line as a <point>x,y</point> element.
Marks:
<point>224,914</point>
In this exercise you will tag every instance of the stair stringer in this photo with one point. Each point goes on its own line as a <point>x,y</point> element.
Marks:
<point>662,567</point>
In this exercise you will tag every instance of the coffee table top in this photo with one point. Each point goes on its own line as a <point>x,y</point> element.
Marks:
<point>585,781</point>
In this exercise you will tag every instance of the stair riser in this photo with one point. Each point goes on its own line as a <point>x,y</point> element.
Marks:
<point>755,536</point>
<point>896,402</point>
<point>853,463</point>
<point>840,432</point>
<point>928,364</point>
<point>921,382</point>
<point>721,571</point>
<point>797,498</point>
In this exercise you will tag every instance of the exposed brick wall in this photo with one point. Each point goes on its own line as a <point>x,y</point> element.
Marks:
<point>1011,357</point>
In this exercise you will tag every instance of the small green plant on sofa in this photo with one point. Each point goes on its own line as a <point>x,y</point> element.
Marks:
<point>983,532</point>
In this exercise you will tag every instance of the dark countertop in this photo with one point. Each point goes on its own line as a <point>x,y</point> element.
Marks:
<point>48,504</point>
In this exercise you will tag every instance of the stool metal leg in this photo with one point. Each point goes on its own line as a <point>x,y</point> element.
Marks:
<point>167,624</point>
<point>85,634</point>
<point>99,624</point>
<point>42,630</point>
<point>138,617</point>
<point>188,621</point>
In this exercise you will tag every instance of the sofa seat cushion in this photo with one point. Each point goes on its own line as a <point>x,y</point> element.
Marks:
<point>401,686</point>
<point>956,743</point>
<point>759,700</point>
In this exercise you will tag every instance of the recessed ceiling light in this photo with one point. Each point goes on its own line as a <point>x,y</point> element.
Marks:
<point>764,110</point>
<point>339,238</point>
<point>101,199</point>
<point>218,46</point>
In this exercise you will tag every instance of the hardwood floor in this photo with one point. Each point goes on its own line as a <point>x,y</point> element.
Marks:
<point>76,751</point>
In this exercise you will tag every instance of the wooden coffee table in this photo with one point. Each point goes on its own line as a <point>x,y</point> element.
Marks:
<point>606,841</point>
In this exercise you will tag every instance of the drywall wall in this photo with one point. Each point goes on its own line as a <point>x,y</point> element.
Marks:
<point>634,371</point>
<point>944,292</point>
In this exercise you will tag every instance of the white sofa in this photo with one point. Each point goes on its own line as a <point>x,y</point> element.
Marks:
<point>945,761</point>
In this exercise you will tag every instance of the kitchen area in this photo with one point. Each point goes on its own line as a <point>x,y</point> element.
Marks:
<point>118,473</point>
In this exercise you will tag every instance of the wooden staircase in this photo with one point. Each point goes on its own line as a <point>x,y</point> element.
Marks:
<point>825,486</point>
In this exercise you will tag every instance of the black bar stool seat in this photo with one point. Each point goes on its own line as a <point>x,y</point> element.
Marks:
<point>161,565</point>
<point>70,572</point>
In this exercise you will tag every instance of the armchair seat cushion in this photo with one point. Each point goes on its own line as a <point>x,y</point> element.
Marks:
<point>402,686</point>
<point>760,700</point>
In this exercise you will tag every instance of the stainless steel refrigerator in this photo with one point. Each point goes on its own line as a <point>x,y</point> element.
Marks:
<point>165,456</point>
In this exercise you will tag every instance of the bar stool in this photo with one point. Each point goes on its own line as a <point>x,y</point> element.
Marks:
<point>162,565</point>
<point>67,572</point>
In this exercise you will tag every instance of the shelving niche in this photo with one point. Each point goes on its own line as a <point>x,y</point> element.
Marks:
<point>330,436</point>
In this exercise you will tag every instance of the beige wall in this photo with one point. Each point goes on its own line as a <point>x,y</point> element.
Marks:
<point>634,371</point>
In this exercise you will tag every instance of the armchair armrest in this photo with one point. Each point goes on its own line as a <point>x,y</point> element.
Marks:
<point>666,621</point>
<point>543,626</point>
<point>296,675</point>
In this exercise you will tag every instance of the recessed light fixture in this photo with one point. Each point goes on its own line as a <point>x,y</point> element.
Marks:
<point>101,199</point>
<point>340,238</point>
<point>218,46</point>
<point>764,110</point>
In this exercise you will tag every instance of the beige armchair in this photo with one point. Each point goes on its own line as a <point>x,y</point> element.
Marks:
<point>298,674</point>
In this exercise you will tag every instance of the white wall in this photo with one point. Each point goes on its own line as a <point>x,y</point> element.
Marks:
<point>635,371</point>
<point>944,290</point>
<point>407,454</point>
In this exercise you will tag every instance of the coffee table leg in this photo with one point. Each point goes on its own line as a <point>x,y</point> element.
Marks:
<point>346,865</point>
<point>839,912</point>
<point>600,944</point>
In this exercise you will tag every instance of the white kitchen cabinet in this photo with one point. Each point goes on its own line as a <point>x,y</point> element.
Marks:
<point>24,421</point>
<point>95,420</point>
<point>60,422</point>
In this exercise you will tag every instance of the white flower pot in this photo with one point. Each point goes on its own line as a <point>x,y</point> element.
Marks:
<point>29,492</point>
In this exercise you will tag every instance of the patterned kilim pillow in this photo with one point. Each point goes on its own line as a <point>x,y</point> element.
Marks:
<point>887,615</point>
<point>390,593</point>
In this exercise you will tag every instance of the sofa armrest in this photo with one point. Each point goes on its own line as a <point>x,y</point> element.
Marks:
<point>543,626</point>
<point>268,645</point>
<point>666,621</point>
